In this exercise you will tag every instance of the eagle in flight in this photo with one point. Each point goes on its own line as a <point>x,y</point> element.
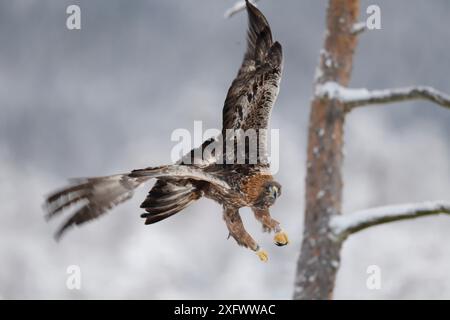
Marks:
<point>248,105</point>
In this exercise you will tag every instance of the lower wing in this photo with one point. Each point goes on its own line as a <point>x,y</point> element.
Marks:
<point>100,194</point>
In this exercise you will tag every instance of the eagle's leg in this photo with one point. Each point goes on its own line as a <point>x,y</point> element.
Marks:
<point>238,232</point>
<point>270,224</point>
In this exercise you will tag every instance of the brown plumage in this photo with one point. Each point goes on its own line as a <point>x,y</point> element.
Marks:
<point>248,105</point>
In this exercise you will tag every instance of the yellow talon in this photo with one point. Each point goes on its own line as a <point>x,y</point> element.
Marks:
<point>281,238</point>
<point>263,256</point>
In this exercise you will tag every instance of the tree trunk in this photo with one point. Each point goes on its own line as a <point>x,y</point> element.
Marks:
<point>320,252</point>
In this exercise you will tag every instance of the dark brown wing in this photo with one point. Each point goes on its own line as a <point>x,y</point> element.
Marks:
<point>253,92</point>
<point>168,197</point>
<point>259,39</point>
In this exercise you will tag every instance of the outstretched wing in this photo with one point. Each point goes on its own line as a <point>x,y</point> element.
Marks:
<point>252,94</point>
<point>96,196</point>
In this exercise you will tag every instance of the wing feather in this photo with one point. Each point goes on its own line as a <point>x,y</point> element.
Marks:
<point>256,85</point>
<point>259,39</point>
<point>98,195</point>
<point>181,172</point>
<point>95,195</point>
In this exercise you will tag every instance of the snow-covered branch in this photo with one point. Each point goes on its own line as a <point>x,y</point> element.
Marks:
<point>359,27</point>
<point>353,98</point>
<point>238,6</point>
<point>345,225</point>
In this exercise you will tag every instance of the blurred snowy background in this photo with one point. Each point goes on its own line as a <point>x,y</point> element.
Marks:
<point>106,99</point>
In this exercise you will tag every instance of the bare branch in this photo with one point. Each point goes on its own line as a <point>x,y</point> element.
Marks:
<point>344,225</point>
<point>238,7</point>
<point>354,98</point>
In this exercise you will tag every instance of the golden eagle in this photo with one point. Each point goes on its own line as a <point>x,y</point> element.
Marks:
<point>247,106</point>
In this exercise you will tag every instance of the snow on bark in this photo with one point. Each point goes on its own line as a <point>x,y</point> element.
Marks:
<point>344,225</point>
<point>359,27</point>
<point>334,91</point>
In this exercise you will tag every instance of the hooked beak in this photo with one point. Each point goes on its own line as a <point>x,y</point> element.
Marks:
<point>275,192</point>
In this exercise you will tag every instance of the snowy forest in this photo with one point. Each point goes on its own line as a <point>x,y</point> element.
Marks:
<point>363,114</point>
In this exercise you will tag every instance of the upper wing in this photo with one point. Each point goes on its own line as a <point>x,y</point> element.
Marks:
<point>182,172</point>
<point>97,196</point>
<point>252,94</point>
<point>199,156</point>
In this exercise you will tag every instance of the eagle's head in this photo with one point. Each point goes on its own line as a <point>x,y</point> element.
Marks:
<point>270,192</point>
